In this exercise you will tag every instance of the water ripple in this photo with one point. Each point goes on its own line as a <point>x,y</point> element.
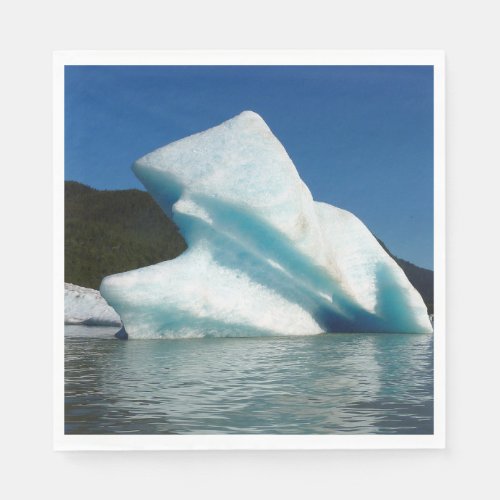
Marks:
<point>325,384</point>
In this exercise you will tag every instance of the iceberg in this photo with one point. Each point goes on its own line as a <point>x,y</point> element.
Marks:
<point>85,306</point>
<point>263,257</point>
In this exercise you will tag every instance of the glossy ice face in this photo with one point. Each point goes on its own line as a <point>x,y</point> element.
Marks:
<point>264,258</point>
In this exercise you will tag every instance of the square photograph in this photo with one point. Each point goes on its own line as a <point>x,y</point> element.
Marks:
<point>249,250</point>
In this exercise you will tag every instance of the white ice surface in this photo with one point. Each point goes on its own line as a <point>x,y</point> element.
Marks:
<point>85,306</point>
<point>263,257</point>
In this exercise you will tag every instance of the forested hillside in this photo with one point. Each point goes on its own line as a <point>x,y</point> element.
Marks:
<point>108,232</point>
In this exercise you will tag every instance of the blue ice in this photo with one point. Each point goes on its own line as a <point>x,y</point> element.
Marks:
<point>263,257</point>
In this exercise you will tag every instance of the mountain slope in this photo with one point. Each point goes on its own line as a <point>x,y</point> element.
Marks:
<point>108,232</point>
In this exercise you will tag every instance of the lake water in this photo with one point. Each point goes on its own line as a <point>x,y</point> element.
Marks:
<point>324,384</point>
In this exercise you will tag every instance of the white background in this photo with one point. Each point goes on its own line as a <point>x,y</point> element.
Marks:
<point>30,31</point>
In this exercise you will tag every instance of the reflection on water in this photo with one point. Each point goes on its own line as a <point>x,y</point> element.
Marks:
<point>325,384</point>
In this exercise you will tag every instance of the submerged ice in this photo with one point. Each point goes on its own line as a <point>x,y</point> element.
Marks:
<point>263,257</point>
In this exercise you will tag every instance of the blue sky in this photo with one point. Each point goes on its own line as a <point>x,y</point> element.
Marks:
<point>361,137</point>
